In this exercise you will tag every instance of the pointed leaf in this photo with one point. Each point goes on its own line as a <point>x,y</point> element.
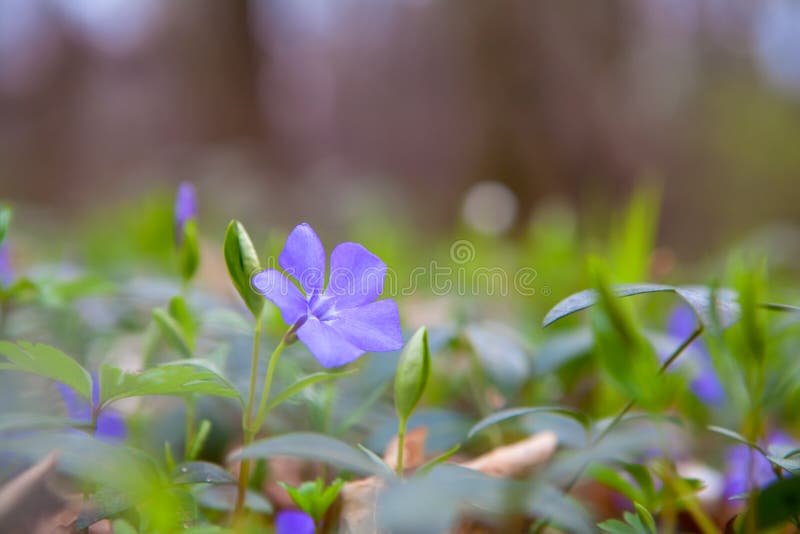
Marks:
<point>46,361</point>
<point>179,378</point>
<point>777,503</point>
<point>510,413</point>
<point>735,436</point>
<point>172,332</point>
<point>303,383</point>
<point>312,446</point>
<point>201,473</point>
<point>5,221</point>
<point>699,298</point>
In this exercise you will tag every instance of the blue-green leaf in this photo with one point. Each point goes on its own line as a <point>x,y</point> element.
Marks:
<point>179,378</point>
<point>312,446</point>
<point>510,413</point>
<point>46,361</point>
<point>201,473</point>
<point>303,383</point>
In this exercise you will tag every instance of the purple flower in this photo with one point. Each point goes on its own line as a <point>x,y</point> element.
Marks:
<point>739,459</point>
<point>342,321</point>
<point>705,384</point>
<point>294,522</point>
<point>6,271</point>
<point>185,208</point>
<point>110,425</point>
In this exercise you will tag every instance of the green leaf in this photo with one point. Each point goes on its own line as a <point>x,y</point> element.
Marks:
<point>178,378</point>
<point>314,498</point>
<point>433,462</point>
<point>243,264</point>
<point>646,517</point>
<point>120,526</point>
<point>735,436</point>
<point>5,221</point>
<point>412,374</point>
<point>172,332</point>
<point>699,298</point>
<point>103,504</point>
<point>303,383</point>
<point>15,422</point>
<point>201,473</point>
<point>777,503</point>
<point>46,361</point>
<point>189,251</point>
<point>510,413</point>
<point>179,310</point>
<point>501,352</point>
<point>610,477</point>
<point>223,498</point>
<point>312,446</point>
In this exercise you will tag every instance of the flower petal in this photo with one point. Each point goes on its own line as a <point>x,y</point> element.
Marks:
<point>294,522</point>
<point>303,258</point>
<point>374,327</point>
<point>357,276</point>
<point>327,344</point>
<point>283,293</point>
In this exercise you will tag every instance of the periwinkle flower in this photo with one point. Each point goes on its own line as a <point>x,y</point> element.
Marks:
<point>342,321</point>
<point>6,271</point>
<point>742,462</point>
<point>294,522</point>
<point>185,208</point>
<point>705,384</point>
<point>110,425</point>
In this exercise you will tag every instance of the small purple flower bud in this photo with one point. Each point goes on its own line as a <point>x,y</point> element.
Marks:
<point>6,271</point>
<point>185,208</point>
<point>294,522</point>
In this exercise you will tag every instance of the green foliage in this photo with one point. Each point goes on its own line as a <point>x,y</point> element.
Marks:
<point>179,378</point>
<point>314,498</point>
<point>48,362</point>
<point>312,446</point>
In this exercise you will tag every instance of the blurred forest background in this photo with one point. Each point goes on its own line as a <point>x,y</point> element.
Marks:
<point>328,110</point>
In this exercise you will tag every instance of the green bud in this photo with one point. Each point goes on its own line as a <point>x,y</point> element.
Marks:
<point>5,221</point>
<point>189,252</point>
<point>172,332</point>
<point>412,374</point>
<point>242,261</point>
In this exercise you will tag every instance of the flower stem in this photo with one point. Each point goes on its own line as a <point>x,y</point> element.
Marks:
<point>401,445</point>
<point>247,433</point>
<point>251,423</point>
<point>191,410</point>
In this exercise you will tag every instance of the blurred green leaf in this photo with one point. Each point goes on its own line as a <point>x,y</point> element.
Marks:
<point>610,477</point>
<point>735,436</point>
<point>201,473</point>
<point>501,352</point>
<point>699,298</point>
<point>46,361</point>
<point>105,503</point>
<point>632,241</point>
<point>223,498</point>
<point>412,374</point>
<point>178,378</point>
<point>179,310</point>
<point>433,462</point>
<point>15,422</point>
<point>311,446</point>
<point>776,504</point>
<point>243,264</point>
<point>314,498</point>
<point>303,383</point>
<point>172,332</point>
<point>511,413</point>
